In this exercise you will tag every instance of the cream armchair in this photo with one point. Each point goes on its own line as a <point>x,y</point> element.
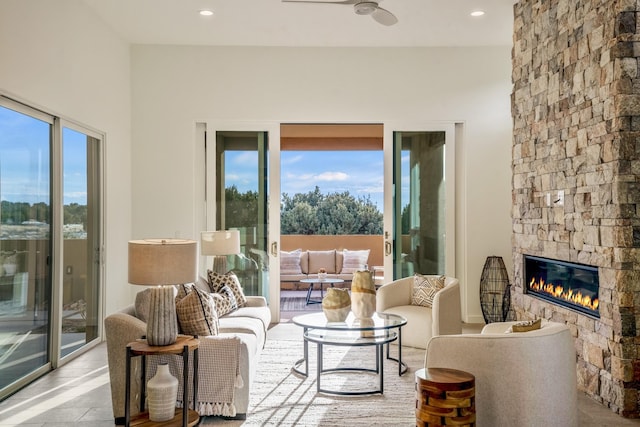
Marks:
<point>522,379</point>
<point>422,322</point>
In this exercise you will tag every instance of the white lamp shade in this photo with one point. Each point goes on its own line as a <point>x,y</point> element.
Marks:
<point>163,261</point>
<point>223,242</point>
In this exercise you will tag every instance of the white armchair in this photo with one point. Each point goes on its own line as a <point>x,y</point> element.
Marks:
<point>522,379</point>
<point>422,322</point>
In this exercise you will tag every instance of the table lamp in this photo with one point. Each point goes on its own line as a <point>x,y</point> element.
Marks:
<point>219,244</point>
<point>162,263</point>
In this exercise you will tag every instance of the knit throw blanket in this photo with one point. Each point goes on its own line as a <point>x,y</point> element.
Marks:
<point>220,376</point>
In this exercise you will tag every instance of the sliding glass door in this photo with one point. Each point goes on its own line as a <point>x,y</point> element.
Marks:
<point>50,239</point>
<point>81,239</point>
<point>25,243</point>
<point>420,236</point>
<point>243,190</point>
<point>239,178</point>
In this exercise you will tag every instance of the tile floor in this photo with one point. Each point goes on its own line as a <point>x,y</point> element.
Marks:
<point>78,394</point>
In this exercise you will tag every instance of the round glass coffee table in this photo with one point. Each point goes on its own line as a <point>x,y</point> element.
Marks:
<point>378,331</point>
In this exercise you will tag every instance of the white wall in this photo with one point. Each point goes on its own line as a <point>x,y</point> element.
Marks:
<point>58,55</point>
<point>175,87</point>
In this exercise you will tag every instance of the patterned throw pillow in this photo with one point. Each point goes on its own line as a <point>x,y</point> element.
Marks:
<point>225,301</point>
<point>196,311</point>
<point>425,289</point>
<point>354,260</point>
<point>217,281</point>
<point>290,262</point>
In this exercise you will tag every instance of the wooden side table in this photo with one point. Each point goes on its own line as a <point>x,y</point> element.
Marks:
<point>182,346</point>
<point>445,397</point>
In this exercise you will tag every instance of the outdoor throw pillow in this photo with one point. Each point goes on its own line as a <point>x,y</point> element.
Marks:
<point>425,289</point>
<point>225,301</point>
<point>196,312</point>
<point>290,262</point>
<point>217,281</point>
<point>354,260</point>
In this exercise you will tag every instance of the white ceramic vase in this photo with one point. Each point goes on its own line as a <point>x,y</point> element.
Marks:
<point>162,390</point>
<point>363,295</point>
<point>336,305</point>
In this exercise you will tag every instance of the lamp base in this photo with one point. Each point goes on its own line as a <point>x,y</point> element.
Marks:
<point>220,264</point>
<point>162,324</point>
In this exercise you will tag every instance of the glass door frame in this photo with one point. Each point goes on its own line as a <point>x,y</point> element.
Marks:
<point>208,221</point>
<point>389,238</point>
<point>56,268</point>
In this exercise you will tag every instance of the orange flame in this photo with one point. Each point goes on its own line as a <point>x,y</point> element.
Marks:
<point>559,292</point>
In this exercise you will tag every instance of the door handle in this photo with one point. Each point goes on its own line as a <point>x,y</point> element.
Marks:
<point>387,248</point>
<point>274,249</point>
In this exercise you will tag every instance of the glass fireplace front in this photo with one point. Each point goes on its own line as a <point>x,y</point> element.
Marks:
<point>571,285</point>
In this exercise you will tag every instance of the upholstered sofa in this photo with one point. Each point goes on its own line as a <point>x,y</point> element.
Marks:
<point>242,333</point>
<point>442,318</point>
<point>339,264</point>
<point>522,378</point>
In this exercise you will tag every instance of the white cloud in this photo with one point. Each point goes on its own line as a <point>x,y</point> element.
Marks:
<point>246,157</point>
<point>291,160</point>
<point>332,176</point>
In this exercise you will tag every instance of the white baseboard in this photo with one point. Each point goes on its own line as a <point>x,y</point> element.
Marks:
<point>474,319</point>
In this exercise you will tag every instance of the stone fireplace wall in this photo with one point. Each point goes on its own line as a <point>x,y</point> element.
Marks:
<point>576,162</point>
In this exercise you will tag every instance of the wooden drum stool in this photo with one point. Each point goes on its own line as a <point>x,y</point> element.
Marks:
<point>445,397</point>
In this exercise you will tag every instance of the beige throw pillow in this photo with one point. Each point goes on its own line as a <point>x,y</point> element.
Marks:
<point>322,259</point>
<point>143,301</point>
<point>425,289</point>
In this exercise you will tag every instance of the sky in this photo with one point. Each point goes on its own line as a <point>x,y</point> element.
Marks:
<point>360,173</point>
<point>25,158</point>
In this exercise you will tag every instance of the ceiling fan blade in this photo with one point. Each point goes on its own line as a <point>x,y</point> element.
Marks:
<point>384,17</point>
<point>320,1</point>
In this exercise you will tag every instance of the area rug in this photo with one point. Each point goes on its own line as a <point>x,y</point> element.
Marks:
<point>297,304</point>
<point>280,397</point>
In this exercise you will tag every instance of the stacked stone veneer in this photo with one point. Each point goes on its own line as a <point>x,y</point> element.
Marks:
<point>576,117</point>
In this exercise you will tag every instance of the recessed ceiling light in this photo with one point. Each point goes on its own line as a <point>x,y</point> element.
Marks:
<point>206,12</point>
<point>477,13</point>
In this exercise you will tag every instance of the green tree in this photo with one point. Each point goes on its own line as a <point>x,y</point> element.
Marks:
<point>75,214</point>
<point>241,209</point>
<point>405,219</point>
<point>330,214</point>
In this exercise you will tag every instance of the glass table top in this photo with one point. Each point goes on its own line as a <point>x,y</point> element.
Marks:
<point>379,321</point>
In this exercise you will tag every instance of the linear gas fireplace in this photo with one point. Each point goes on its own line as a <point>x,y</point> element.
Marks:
<point>572,285</point>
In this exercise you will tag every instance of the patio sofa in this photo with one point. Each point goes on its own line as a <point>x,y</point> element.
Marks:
<point>339,264</point>
<point>244,328</point>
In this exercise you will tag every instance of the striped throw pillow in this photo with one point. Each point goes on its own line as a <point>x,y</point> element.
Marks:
<point>290,262</point>
<point>354,260</point>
